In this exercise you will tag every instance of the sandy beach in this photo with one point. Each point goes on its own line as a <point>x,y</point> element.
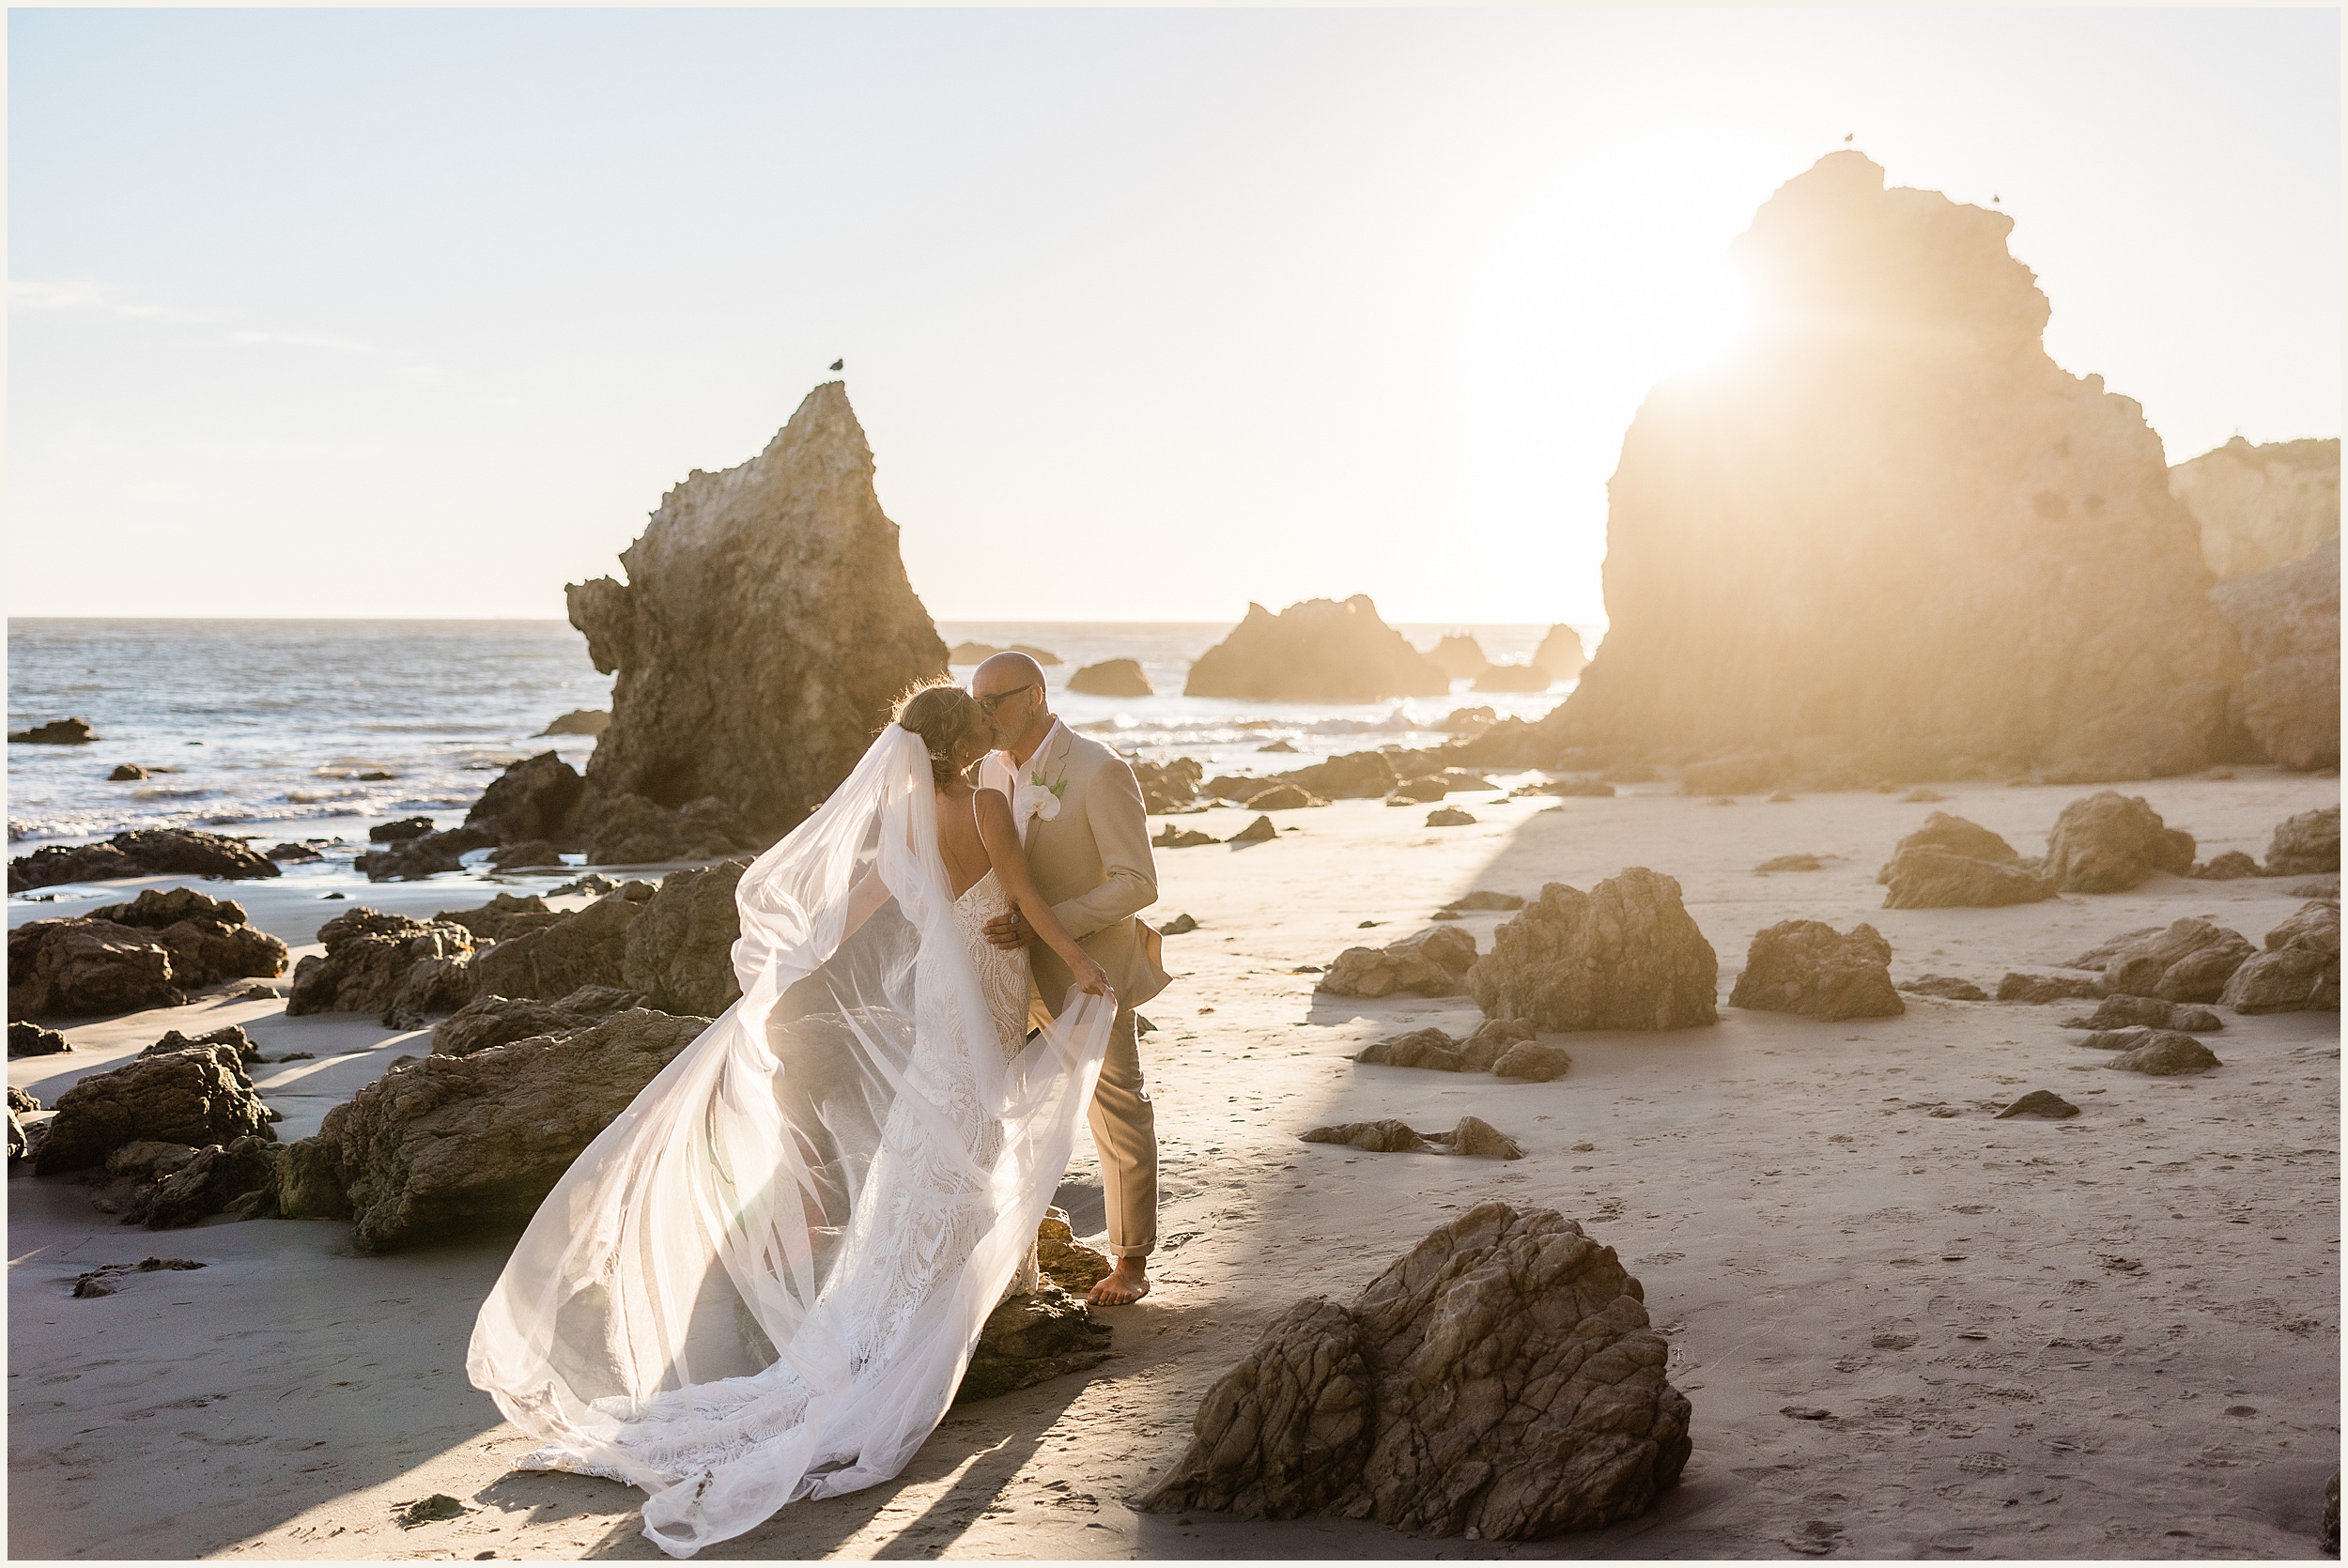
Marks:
<point>2116,1335</point>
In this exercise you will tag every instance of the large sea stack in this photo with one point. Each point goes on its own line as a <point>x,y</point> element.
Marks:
<point>1895,537</point>
<point>765,627</point>
<point>1320,651</point>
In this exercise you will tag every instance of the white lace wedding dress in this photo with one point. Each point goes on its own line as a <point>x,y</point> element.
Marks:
<point>762,1281</point>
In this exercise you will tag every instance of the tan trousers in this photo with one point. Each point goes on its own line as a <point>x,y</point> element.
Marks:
<point>1125,1128</point>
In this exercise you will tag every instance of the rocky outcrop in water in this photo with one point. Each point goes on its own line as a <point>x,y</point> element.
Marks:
<point>2288,621</point>
<point>1459,656</point>
<point>579,721</point>
<point>2108,842</point>
<point>391,966</point>
<point>1894,539</point>
<point>57,732</point>
<point>2299,970</point>
<point>2260,507</point>
<point>537,798</point>
<point>198,1096</point>
<point>765,627</point>
<point>1499,1381</point>
<point>155,852</point>
<point>1112,677</point>
<point>1560,654</point>
<point>446,1144</point>
<point>414,856</point>
<point>1320,651</point>
<point>1624,955</point>
<point>1808,967</point>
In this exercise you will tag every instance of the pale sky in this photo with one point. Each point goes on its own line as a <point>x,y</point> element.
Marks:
<point>1147,313</point>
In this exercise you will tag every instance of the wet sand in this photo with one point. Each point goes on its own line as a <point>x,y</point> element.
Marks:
<point>2116,1335</point>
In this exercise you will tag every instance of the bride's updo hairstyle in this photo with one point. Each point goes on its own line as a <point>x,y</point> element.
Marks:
<point>943,715</point>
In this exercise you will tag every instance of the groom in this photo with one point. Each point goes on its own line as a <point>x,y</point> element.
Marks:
<point>1088,839</point>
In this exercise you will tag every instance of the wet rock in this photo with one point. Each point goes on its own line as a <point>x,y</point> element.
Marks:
<point>384,965</point>
<point>1484,899</point>
<point>1172,837</point>
<point>1260,831</point>
<point>1533,1061</point>
<point>2288,621</point>
<point>1378,1137</point>
<point>579,721</point>
<point>1450,816</point>
<point>57,732</point>
<point>2019,986</point>
<point>2148,1012</point>
<point>2041,1102</point>
<point>1419,1048</point>
<point>587,948</point>
<point>1789,862</point>
<point>766,628</point>
<point>1949,988</point>
<point>1030,1339</point>
<point>1320,651</point>
<point>2166,1053</point>
<point>2229,867</point>
<point>291,854</point>
<point>31,1039</point>
<point>680,950</point>
<point>1112,677</point>
<point>2299,970</point>
<point>158,852</point>
<point>1626,955</point>
<point>487,1020</point>
<point>1431,963</point>
<point>505,915</point>
<point>1511,1338</point>
<point>446,1145</point>
<point>126,773</point>
<point>2305,843</point>
<point>197,1096</point>
<point>1420,792</point>
<point>1479,1140</point>
<point>79,968</point>
<point>630,830</point>
<point>2108,842</point>
<point>1282,797</point>
<point>535,799</point>
<point>2188,962</point>
<point>1808,967</point>
<point>229,1036</point>
<point>209,938</point>
<point>399,832</point>
<point>1065,1261</point>
<point>423,856</point>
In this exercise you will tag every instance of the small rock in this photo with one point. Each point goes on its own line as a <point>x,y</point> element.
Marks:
<point>1483,898</point>
<point>1480,1140</point>
<point>407,827</point>
<point>2299,971</point>
<point>22,1100</point>
<point>1260,831</point>
<point>2305,843</point>
<point>31,1039</point>
<point>1276,746</point>
<point>1450,816</point>
<point>126,773</point>
<point>1112,677</point>
<point>1420,1048</point>
<point>2229,867</point>
<point>1804,1412</point>
<point>1282,797</point>
<point>2188,962</point>
<point>107,1279</point>
<point>579,721</point>
<point>1534,1062</point>
<point>594,884</point>
<point>1032,1338</point>
<point>1482,1050</point>
<point>2150,1012</point>
<point>1430,963</point>
<point>2166,1053</point>
<point>1789,862</point>
<point>1949,988</point>
<point>439,1506</point>
<point>2040,1102</point>
<point>292,854</point>
<point>1379,1137</point>
<point>2018,987</point>
<point>1419,792</point>
<point>1064,1260</point>
<point>1173,838</point>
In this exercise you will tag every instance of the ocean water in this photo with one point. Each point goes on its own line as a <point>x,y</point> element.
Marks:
<point>304,729</point>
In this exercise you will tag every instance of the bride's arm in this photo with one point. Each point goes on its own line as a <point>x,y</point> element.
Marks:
<point>1000,833</point>
<point>866,896</point>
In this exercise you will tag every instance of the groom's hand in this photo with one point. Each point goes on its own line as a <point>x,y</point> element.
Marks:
<point>1008,930</point>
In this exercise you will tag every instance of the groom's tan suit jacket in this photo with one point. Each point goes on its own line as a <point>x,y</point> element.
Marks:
<point>1092,860</point>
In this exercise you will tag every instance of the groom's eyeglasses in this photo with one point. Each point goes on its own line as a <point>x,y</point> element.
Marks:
<point>990,703</point>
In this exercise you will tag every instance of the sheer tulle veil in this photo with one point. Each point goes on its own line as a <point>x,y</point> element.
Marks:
<point>762,1281</point>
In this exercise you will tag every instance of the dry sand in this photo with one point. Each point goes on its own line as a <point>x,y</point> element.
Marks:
<point>2111,1336</point>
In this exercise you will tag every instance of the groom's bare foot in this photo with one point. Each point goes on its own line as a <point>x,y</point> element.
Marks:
<point>1128,1283</point>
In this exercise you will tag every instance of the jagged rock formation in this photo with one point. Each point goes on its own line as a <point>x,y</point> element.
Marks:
<point>387,964</point>
<point>537,798</point>
<point>414,856</point>
<point>1498,1381</point>
<point>487,1020</point>
<point>230,1036</point>
<point>2287,619</point>
<point>1169,786</point>
<point>2299,971</point>
<point>2305,844</point>
<point>1430,963</point>
<point>1320,651</point>
<point>446,1144</point>
<point>198,1096</point>
<point>1808,967</point>
<point>153,852</point>
<point>1032,1338</point>
<point>83,968</point>
<point>208,938</point>
<point>2108,842</point>
<point>680,950</point>
<point>31,1039</point>
<point>585,948</point>
<point>1896,540</point>
<point>1113,677</point>
<point>764,629</point>
<point>1950,863</point>
<point>1624,955</point>
<point>1481,1052</point>
<point>2258,507</point>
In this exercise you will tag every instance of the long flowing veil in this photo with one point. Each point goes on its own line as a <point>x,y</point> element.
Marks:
<point>762,1281</point>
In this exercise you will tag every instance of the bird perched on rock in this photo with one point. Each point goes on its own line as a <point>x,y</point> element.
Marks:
<point>840,363</point>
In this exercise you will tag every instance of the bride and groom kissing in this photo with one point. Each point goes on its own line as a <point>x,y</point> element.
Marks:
<point>762,1281</point>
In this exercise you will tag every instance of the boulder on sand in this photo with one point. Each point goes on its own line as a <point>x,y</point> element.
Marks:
<point>150,851</point>
<point>209,938</point>
<point>2190,960</point>
<point>1378,1137</point>
<point>198,1096</point>
<point>1112,677</point>
<point>1282,797</point>
<point>413,857</point>
<point>680,950</point>
<point>487,1020</point>
<point>236,1039</point>
<point>446,1145</point>
<point>79,968</point>
<point>537,798</point>
<point>765,630</point>
<point>2165,1053</point>
<point>1894,483</point>
<point>31,1039</point>
<point>631,830</point>
<point>2040,1102</point>
<point>1169,786</point>
<point>1808,967</point>
<point>2108,842</point>
<point>1320,651</point>
<point>2305,844</point>
<point>2299,971</point>
<point>2288,621</point>
<point>1031,1338</point>
<point>1929,877</point>
<point>1626,955</point>
<point>2145,1012</point>
<point>1430,963</point>
<point>1943,831</point>
<point>2019,986</point>
<point>1947,988</point>
<point>586,949</point>
<point>1499,1381</point>
<point>2232,865</point>
<point>386,964</point>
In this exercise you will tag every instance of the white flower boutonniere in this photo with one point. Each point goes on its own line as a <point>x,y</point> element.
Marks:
<point>1036,801</point>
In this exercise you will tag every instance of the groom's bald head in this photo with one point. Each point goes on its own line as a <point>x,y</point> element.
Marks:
<point>1003,673</point>
<point>1010,692</point>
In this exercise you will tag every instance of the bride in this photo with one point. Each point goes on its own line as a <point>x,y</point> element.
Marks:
<point>762,1281</point>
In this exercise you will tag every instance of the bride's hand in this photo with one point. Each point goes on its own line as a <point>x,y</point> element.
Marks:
<point>1092,978</point>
